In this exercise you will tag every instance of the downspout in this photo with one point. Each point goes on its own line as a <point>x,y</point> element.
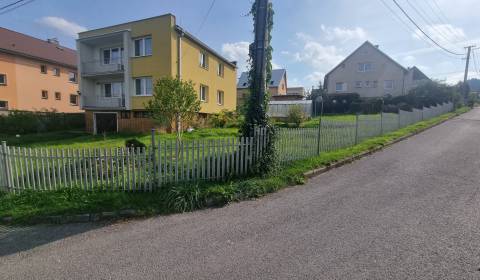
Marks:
<point>180,34</point>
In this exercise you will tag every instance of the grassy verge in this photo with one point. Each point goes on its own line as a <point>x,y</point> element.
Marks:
<point>25,207</point>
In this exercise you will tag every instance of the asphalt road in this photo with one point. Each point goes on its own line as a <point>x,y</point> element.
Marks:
<point>411,211</point>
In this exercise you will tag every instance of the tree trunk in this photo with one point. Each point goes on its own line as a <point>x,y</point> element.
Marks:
<point>178,126</point>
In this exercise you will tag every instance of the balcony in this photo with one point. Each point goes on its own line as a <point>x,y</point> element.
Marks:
<point>103,67</point>
<point>97,102</point>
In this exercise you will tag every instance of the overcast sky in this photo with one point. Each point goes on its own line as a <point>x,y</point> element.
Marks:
<point>309,38</point>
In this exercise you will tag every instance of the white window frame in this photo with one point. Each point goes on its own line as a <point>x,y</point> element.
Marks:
<point>112,60</point>
<point>203,60</point>
<point>375,84</point>
<point>113,87</point>
<point>76,99</point>
<point>56,71</point>
<point>221,70</point>
<point>143,51</point>
<point>388,81</point>
<point>358,84</point>
<point>368,84</point>
<point>144,83</point>
<point>203,94</point>
<point>4,83</point>
<point>362,67</point>
<point>344,87</point>
<point>74,77</point>
<point>220,97</point>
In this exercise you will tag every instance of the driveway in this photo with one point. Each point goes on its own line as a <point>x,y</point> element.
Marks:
<point>411,211</point>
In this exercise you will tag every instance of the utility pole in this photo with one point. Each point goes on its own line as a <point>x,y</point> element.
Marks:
<point>260,47</point>
<point>465,77</point>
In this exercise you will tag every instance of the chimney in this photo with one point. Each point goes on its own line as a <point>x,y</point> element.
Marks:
<point>53,41</point>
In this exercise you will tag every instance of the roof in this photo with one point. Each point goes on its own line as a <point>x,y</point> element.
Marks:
<point>418,74</point>
<point>20,44</point>
<point>277,76</point>
<point>203,45</point>
<point>374,47</point>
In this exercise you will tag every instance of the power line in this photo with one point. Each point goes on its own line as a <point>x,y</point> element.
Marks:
<point>426,18</point>
<point>412,30</point>
<point>443,20</point>
<point>16,7</point>
<point>475,62</point>
<point>421,30</point>
<point>11,4</point>
<point>206,16</point>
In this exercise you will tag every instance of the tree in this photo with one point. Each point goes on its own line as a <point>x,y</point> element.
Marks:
<point>174,101</point>
<point>255,111</point>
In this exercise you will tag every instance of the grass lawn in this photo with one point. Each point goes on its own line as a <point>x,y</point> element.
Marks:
<point>24,207</point>
<point>78,139</point>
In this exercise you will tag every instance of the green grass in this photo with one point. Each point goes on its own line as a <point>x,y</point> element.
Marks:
<point>77,139</point>
<point>28,205</point>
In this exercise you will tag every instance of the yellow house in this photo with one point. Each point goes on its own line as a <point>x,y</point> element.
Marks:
<point>118,66</point>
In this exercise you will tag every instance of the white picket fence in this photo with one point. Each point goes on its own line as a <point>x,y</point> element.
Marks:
<point>167,162</point>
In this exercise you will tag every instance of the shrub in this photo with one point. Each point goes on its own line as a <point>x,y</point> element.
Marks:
<point>219,195</point>
<point>22,122</point>
<point>295,115</point>
<point>134,143</point>
<point>224,119</point>
<point>184,197</point>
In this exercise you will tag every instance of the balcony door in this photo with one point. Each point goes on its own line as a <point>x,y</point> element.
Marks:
<point>112,55</point>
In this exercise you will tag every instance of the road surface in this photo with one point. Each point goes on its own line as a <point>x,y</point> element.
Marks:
<point>411,211</point>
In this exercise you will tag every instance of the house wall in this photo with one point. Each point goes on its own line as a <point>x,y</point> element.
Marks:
<point>383,69</point>
<point>25,83</point>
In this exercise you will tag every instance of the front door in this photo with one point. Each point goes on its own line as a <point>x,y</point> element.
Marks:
<point>105,122</point>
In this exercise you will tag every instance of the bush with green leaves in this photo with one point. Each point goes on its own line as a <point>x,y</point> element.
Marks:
<point>23,122</point>
<point>224,119</point>
<point>184,197</point>
<point>296,115</point>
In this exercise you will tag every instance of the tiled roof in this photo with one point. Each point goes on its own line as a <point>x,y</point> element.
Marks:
<point>21,44</point>
<point>277,76</point>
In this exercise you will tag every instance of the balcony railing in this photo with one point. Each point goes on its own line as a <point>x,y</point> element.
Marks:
<point>104,66</point>
<point>103,102</point>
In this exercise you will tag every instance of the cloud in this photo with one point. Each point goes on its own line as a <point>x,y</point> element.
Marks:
<point>321,57</point>
<point>344,35</point>
<point>237,51</point>
<point>66,27</point>
<point>315,77</point>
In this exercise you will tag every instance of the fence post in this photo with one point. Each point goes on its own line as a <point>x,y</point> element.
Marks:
<point>381,123</point>
<point>7,166</point>
<point>319,134</point>
<point>152,156</point>
<point>356,128</point>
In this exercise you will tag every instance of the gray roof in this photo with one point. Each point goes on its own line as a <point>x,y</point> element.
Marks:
<point>277,75</point>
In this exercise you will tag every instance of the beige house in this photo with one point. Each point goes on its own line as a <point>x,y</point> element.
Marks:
<point>371,73</point>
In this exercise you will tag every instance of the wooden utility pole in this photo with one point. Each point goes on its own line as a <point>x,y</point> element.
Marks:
<point>260,46</point>
<point>465,77</point>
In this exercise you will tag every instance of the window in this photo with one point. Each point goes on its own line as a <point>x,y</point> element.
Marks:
<point>221,70</point>
<point>388,84</point>
<point>44,94</point>
<point>58,96</point>
<point>43,69</point>
<point>56,72</point>
<point>112,55</point>
<point>220,97</point>
<point>340,87</point>
<point>141,114</point>
<point>113,89</point>
<point>358,84</point>
<point>203,93</point>
<point>368,84</point>
<point>203,60</point>
<point>143,86</point>
<point>3,105</point>
<point>3,79</point>
<point>365,67</point>
<point>143,46</point>
<point>125,115</point>
<point>72,77</point>
<point>375,84</point>
<point>73,99</point>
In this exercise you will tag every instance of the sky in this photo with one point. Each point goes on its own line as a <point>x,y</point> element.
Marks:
<point>310,37</point>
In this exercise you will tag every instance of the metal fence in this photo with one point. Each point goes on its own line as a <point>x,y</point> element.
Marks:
<point>301,143</point>
<point>165,162</point>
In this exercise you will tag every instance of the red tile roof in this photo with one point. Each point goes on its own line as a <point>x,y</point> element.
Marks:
<point>21,44</point>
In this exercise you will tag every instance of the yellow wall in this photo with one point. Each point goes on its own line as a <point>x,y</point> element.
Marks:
<point>191,70</point>
<point>25,83</point>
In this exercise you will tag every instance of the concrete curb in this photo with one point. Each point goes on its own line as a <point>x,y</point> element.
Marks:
<point>313,173</point>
